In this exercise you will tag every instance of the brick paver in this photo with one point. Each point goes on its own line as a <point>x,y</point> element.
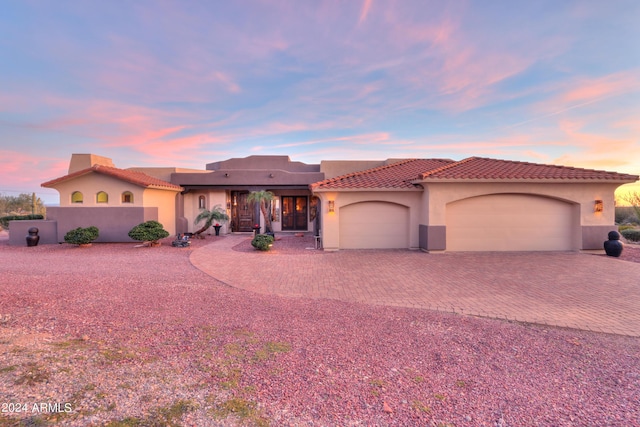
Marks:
<point>564,289</point>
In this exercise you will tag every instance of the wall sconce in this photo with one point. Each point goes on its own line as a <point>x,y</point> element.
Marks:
<point>228,204</point>
<point>598,206</point>
<point>332,206</point>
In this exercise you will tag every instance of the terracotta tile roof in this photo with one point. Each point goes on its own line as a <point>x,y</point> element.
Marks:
<point>396,175</point>
<point>484,168</point>
<point>137,178</point>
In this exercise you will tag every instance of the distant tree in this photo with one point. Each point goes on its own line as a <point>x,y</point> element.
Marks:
<point>264,198</point>
<point>633,198</point>
<point>22,204</point>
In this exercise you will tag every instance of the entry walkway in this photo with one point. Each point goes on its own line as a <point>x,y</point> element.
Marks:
<point>564,289</point>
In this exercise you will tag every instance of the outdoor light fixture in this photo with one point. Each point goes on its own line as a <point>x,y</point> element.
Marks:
<point>332,205</point>
<point>226,175</point>
<point>598,206</point>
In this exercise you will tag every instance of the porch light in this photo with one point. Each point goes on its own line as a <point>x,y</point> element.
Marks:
<point>598,206</point>
<point>332,206</point>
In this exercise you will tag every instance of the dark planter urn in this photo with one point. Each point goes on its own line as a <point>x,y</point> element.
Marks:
<point>613,246</point>
<point>33,238</point>
<point>217,227</point>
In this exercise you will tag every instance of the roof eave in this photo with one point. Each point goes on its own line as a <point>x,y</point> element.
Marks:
<point>528,180</point>
<point>376,189</point>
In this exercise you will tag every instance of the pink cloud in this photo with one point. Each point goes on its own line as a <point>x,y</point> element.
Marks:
<point>366,5</point>
<point>13,165</point>
<point>603,87</point>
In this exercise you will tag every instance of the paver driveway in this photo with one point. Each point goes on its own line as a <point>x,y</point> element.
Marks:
<point>562,288</point>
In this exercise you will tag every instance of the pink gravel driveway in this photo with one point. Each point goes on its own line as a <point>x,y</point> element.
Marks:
<point>114,335</point>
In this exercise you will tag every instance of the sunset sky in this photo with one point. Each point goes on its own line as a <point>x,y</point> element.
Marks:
<point>185,83</point>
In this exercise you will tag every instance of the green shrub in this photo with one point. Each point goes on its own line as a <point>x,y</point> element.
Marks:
<point>82,236</point>
<point>262,242</point>
<point>150,231</point>
<point>4,221</point>
<point>631,235</point>
<point>621,228</point>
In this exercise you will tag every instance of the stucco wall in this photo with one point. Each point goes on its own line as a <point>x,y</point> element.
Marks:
<point>588,223</point>
<point>18,231</point>
<point>114,223</point>
<point>192,210</point>
<point>90,184</point>
<point>165,203</point>
<point>583,194</point>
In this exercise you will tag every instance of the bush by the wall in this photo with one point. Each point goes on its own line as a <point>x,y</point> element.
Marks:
<point>4,221</point>
<point>632,235</point>
<point>262,242</point>
<point>150,231</point>
<point>82,236</point>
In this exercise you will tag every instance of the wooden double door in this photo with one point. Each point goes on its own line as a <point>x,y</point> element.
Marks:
<point>295,213</point>
<point>242,212</point>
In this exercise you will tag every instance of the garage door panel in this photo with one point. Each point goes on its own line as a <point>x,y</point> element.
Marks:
<point>510,222</point>
<point>378,225</point>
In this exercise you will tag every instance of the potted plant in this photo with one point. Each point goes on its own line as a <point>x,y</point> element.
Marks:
<point>149,233</point>
<point>82,236</point>
<point>215,214</point>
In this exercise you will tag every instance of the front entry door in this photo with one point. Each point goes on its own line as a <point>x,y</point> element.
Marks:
<point>242,212</point>
<point>294,213</point>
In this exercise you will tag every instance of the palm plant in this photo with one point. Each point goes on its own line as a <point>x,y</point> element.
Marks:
<point>215,214</point>
<point>264,198</point>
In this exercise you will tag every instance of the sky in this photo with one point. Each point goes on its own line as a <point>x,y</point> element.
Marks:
<point>186,83</point>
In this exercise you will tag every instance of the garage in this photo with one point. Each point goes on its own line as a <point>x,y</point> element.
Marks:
<point>511,222</point>
<point>374,225</point>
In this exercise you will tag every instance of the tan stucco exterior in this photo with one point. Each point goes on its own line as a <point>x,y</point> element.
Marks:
<point>161,200</point>
<point>429,202</point>
<point>426,212</point>
<point>89,185</point>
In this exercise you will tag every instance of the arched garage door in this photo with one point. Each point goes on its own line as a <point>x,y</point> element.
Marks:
<point>374,225</point>
<point>511,222</point>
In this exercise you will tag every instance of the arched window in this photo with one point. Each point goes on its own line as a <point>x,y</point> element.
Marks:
<point>102,197</point>
<point>202,202</point>
<point>127,197</point>
<point>76,197</point>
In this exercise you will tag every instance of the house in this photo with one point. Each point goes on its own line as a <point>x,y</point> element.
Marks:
<point>476,204</point>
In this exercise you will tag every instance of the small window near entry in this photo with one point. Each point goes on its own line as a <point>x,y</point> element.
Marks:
<point>76,197</point>
<point>202,203</point>
<point>102,197</point>
<point>127,197</point>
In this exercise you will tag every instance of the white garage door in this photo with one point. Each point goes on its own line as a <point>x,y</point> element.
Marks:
<point>374,225</point>
<point>511,222</point>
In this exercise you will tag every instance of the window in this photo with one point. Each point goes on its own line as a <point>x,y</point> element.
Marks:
<point>127,197</point>
<point>102,197</point>
<point>202,202</point>
<point>76,197</point>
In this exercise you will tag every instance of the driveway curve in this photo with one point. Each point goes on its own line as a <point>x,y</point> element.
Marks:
<point>564,289</point>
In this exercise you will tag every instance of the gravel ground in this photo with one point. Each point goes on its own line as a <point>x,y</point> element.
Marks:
<point>114,335</point>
